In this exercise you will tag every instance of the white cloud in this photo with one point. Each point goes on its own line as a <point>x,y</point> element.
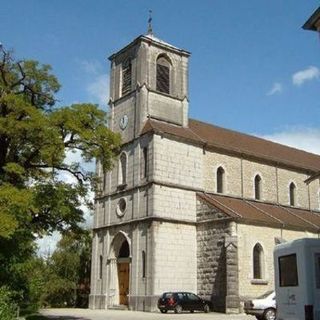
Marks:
<point>307,74</point>
<point>91,67</point>
<point>299,137</point>
<point>99,89</point>
<point>276,88</point>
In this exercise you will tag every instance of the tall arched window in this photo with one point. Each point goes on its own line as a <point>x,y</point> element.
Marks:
<point>126,77</point>
<point>122,169</point>
<point>258,262</point>
<point>163,74</point>
<point>292,194</point>
<point>257,187</point>
<point>220,180</point>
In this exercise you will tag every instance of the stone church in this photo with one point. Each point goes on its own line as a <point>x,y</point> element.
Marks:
<point>190,206</point>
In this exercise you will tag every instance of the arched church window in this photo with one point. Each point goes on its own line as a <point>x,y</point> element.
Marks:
<point>257,187</point>
<point>122,169</point>
<point>126,77</point>
<point>258,258</point>
<point>220,180</point>
<point>292,194</point>
<point>163,75</point>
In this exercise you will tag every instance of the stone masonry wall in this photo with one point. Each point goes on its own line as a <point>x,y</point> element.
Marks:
<point>177,163</point>
<point>211,255</point>
<point>239,180</point>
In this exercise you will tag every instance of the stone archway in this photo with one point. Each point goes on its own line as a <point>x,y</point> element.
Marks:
<point>119,270</point>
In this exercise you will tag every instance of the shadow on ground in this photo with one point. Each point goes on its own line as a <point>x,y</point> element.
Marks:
<point>40,317</point>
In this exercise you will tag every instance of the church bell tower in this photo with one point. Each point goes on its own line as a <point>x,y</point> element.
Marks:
<point>149,79</point>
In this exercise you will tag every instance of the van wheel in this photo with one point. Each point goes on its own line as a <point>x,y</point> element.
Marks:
<point>163,310</point>
<point>269,314</point>
<point>178,308</point>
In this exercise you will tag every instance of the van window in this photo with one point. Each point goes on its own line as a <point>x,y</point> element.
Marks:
<point>317,269</point>
<point>288,271</point>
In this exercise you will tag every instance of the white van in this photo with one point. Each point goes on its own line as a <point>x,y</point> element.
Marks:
<point>297,279</point>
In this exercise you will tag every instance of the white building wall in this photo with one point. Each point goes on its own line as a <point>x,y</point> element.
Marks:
<point>175,263</point>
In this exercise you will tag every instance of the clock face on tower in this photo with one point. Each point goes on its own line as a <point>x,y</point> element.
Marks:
<point>123,122</point>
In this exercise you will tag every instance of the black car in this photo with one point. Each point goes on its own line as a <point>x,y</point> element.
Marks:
<point>179,301</point>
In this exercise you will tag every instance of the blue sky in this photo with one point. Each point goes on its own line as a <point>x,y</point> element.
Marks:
<point>244,53</point>
<point>252,69</point>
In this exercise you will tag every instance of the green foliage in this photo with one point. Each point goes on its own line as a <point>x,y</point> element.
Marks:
<point>36,138</point>
<point>8,309</point>
<point>69,271</point>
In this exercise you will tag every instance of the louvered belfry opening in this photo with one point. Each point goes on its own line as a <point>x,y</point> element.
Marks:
<point>126,77</point>
<point>163,75</point>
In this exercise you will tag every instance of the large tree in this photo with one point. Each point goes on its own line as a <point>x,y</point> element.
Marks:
<point>35,139</point>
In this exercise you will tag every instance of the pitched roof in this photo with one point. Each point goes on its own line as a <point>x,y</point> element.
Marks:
<point>209,135</point>
<point>263,213</point>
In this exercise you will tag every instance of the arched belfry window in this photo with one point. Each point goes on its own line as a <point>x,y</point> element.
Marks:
<point>163,74</point>
<point>257,187</point>
<point>258,262</point>
<point>220,180</point>
<point>292,194</point>
<point>126,77</point>
<point>122,169</point>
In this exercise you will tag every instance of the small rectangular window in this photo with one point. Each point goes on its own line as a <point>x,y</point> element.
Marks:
<point>143,264</point>
<point>288,271</point>
<point>144,163</point>
<point>100,267</point>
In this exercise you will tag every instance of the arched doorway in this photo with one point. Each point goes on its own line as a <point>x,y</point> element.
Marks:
<point>123,272</point>
<point>119,270</point>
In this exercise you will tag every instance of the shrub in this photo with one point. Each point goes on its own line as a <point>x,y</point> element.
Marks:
<point>8,308</point>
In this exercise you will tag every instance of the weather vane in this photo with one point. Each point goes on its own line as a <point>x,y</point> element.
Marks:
<point>150,32</point>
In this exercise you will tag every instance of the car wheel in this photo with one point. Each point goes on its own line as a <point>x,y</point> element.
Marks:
<point>206,308</point>
<point>163,310</point>
<point>191,311</point>
<point>269,314</point>
<point>178,308</point>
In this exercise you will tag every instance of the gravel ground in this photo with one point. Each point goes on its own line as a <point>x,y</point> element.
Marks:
<point>86,314</point>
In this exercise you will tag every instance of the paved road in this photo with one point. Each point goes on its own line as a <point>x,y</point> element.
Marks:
<point>86,314</point>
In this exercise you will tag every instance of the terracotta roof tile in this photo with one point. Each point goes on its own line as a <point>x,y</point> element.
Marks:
<point>232,141</point>
<point>265,213</point>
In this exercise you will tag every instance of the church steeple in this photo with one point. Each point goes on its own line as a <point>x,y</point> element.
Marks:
<point>149,79</point>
